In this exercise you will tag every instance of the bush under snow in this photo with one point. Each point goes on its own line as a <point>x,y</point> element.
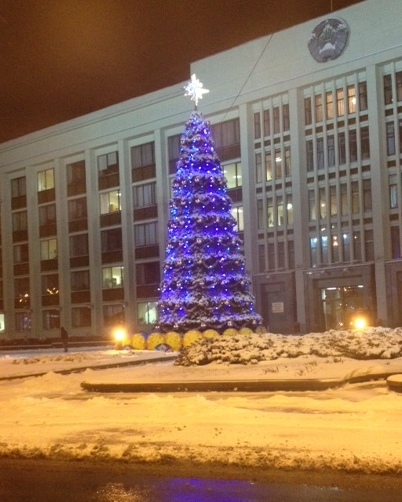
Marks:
<point>372,343</point>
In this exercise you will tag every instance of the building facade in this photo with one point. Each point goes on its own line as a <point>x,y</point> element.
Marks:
<point>308,127</point>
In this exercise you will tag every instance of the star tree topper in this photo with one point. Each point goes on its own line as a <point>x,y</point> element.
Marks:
<point>195,89</point>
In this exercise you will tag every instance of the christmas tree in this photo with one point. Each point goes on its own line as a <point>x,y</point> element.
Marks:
<point>204,285</point>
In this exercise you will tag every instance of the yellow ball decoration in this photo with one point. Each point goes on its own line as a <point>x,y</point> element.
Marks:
<point>230,332</point>
<point>261,330</point>
<point>154,339</point>
<point>138,341</point>
<point>210,333</point>
<point>245,331</point>
<point>173,339</point>
<point>191,337</point>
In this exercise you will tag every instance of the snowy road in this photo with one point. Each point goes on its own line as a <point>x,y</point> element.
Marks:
<point>29,481</point>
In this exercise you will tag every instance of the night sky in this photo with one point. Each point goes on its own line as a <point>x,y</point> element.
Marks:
<point>60,59</point>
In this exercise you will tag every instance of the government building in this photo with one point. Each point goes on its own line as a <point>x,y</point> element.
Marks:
<point>307,124</point>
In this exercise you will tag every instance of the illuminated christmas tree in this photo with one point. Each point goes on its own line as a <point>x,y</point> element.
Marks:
<point>204,285</point>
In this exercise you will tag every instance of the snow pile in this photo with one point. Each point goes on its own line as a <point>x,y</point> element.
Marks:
<point>372,343</point>
<point>354,427</point>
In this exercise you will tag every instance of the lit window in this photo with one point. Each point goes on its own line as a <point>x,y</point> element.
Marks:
<point>113,277</point>
<point>147,312</point>
<point>48,249</point>
<point>45,180</point>
<point>110,202</point>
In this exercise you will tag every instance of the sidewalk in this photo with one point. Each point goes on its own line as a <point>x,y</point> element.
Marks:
<point>260,385</point>
<point>151,381</point>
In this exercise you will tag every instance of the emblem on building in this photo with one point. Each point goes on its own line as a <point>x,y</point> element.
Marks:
<point>328,39</point>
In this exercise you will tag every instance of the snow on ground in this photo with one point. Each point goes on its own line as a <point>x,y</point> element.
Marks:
<point>355,427</point>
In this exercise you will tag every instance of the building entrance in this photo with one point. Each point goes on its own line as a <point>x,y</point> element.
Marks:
<point>343,307</point>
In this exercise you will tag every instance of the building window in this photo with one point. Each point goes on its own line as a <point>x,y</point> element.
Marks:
<point>335,248</point>
<point>22,322</point>
<point>113,315</point>
<point>21,293</point>
<point>257,125</point>
<point>20,221</point>
<point>324,249</point>
<point>353,145</point>
<point>390,138</point>
<point>287,161</point>
<point>365,143</point>
<point>346,247</point>
<point>76,182</point>
<point>81,317</point>
<point>233,175</point>
<point>21,253</point>
<point>173,152</point>
<point>279,210</point>
<point>322,203</point>
<point>278,164</point>
<point>351,90</point>
<point>276,120</point>
<point>47,215</point>
<point>333,202</point>
<point>267,123</point>
<point>143,161</point>
<point>310,155</point>
<point>320,153</point>
<point>110,202</point>
<point>312,205</point>
<point>398,80</point>
<point>147,273</point>
<point>362,96</point>
<point>51,319</point>
<point>270,212</point>
<point>79,245</point>
<point>108,164</point>
<point>144,195</point>
<point>340,103</point>
<point>258,168</point>
<point>227,139</point>
<point>318,108</point>
<point>111,240</point>
<point>307,111</point>
<point>341,148</point>
<point>18,187</point>
<point>369,244</point>
<point>268,165</point>
<point>393,191</point>
<point>285,117</point>
<point>314,251</point>
<point>146,234</point>
<point>50,289</point>
<point>45,180</point>
<point>237,213</point>
<point>367,199</point>
<point>355,197</point>
<point>331,151</point>
<point>48,249</point>
<point>77,209</point>
<point>80,280</point>
<point>108,170</point>
<point>112,277</point>
<point>329,103</point>
<point>357,248</point>
<point>344,199</point>
<point>147,312</point>
<point>387,89</point>
<point>260,214</point>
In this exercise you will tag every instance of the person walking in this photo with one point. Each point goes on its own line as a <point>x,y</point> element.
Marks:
<point>64,338</point>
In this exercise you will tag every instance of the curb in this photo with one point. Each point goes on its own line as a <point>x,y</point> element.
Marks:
<point>81,369</point>
<point>233,386</point>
